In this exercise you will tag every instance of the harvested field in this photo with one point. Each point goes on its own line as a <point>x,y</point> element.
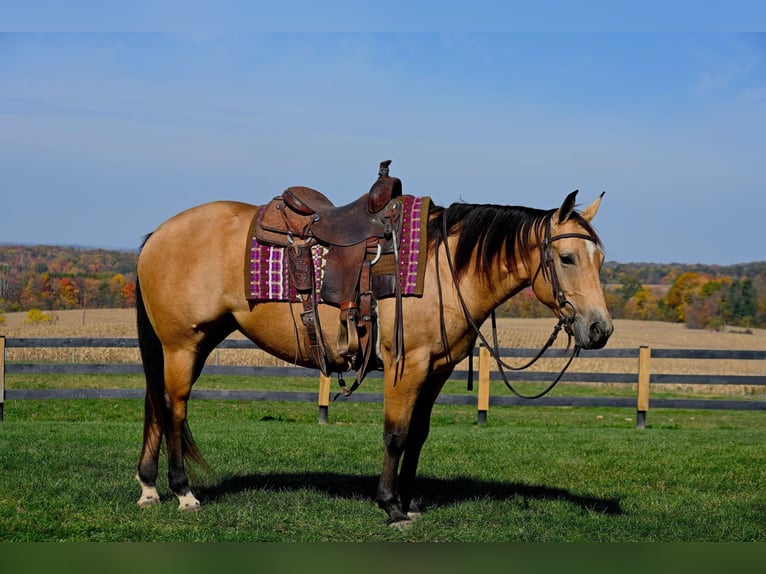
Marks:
<point>529,333</point>
<point>512,332</point>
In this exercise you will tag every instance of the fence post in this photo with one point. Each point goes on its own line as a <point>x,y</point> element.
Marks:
<point>2,376</point>
<point>324,397</point>
<point>642,403</point>
<point>483,397</point>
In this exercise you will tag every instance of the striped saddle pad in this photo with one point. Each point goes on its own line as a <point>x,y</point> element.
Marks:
<point>266,277</point>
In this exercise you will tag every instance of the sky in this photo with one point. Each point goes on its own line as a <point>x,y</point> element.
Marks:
<point>105,135</point>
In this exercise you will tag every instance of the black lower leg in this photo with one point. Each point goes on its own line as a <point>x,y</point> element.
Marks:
<point>177,479</point>
<point>388,496</point>
<point>147,472</point>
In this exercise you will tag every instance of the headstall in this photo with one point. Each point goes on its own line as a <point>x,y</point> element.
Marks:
<point>547,268</point>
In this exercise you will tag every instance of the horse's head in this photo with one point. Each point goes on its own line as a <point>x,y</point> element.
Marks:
<point>567,279</point>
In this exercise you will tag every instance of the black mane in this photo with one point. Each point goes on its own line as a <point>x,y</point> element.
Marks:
<point>490,230</point>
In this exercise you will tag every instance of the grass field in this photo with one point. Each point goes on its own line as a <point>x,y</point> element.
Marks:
<point>530,474</point>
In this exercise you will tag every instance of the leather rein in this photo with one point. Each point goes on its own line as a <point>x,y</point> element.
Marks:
<point>547,268</point>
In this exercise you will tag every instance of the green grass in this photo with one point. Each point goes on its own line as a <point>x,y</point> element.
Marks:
<point>370,385</point>
<point>530,474</point>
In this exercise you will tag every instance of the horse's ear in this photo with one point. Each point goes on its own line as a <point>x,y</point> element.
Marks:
<point>567,207</point>
<point>590,212</point>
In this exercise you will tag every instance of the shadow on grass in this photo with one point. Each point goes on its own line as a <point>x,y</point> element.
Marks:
<point>433,492</point>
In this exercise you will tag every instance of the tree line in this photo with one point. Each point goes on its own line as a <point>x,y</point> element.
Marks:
<point>52,278</point>
<point>701,296</point>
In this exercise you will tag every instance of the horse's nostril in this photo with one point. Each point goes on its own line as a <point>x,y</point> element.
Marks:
<point>600,331</point>
<point>597,330</point>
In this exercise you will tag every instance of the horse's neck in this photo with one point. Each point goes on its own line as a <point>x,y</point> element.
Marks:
<point>492,293</point>
<point>482,294</point>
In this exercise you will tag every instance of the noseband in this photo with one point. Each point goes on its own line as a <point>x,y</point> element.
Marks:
<point>547,268</point>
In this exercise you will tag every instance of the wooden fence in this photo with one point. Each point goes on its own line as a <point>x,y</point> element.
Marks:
<point>643,377</point>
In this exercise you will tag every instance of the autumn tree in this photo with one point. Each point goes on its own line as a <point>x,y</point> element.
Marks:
<point>704,310</point>
<point>129,294</point>
<point>37,292</point>
<point>642,305</point>
<point>68,294</point>
<point>629,287</point>
<point>680,294</point>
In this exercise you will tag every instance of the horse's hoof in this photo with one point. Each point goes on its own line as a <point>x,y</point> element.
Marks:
<point>401,525</point>
<point>149,494</point>
<point>189,507</point>
<point>147,501</point>
<point>187,503</point>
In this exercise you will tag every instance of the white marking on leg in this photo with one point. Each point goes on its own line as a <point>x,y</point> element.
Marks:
<point>187,502</point>
<point>401,525</point>
<point>149,494</point>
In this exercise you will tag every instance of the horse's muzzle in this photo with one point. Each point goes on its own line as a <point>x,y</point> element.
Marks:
<point>593,334</point>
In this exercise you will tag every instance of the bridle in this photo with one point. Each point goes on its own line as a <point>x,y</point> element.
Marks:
<point>547,268</point>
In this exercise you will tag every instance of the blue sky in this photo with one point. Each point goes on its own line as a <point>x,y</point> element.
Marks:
<point>103,136</point>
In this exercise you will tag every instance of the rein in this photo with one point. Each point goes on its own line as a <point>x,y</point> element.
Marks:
<point>548,269</point>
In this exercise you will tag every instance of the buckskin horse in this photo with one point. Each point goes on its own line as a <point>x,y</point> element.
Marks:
<point>192,294</point>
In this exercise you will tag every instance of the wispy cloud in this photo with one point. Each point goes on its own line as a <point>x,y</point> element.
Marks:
<point>734,69</point>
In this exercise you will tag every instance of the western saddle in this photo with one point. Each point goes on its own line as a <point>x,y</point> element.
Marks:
<point>354,236</point>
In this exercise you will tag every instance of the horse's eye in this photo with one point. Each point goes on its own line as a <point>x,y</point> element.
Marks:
<point>567,259</point>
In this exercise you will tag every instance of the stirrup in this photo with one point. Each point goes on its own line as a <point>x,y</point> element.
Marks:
<point>348,334</point>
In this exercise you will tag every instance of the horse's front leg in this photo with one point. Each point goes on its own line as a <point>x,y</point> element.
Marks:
<point>420,425</point>
<point>394,436</point>
<point>400,398</point>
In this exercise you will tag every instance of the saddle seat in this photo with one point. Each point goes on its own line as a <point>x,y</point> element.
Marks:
<point>346,224</point>
<point>342,226</point>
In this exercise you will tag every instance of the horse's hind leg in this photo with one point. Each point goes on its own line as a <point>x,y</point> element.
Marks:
<point>179,377</point>
<point>150,452</point>
<point>154,404</point>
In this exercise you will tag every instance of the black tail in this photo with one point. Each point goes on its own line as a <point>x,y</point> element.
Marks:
<point>155,406</point>
<point>154,367</point>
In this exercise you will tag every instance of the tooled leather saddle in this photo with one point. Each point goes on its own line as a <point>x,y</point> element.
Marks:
<point>354,237</point>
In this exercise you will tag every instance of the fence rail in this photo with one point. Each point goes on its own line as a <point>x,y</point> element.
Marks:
<point>642,377</point>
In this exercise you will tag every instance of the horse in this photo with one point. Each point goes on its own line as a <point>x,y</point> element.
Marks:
<point>191,296</point>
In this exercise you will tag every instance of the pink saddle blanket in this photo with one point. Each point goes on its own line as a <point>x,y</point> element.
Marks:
<point>266,277</point>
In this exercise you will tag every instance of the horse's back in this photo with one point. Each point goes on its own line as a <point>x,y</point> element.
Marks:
<point>195,259</point>
<point>217,213</point>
